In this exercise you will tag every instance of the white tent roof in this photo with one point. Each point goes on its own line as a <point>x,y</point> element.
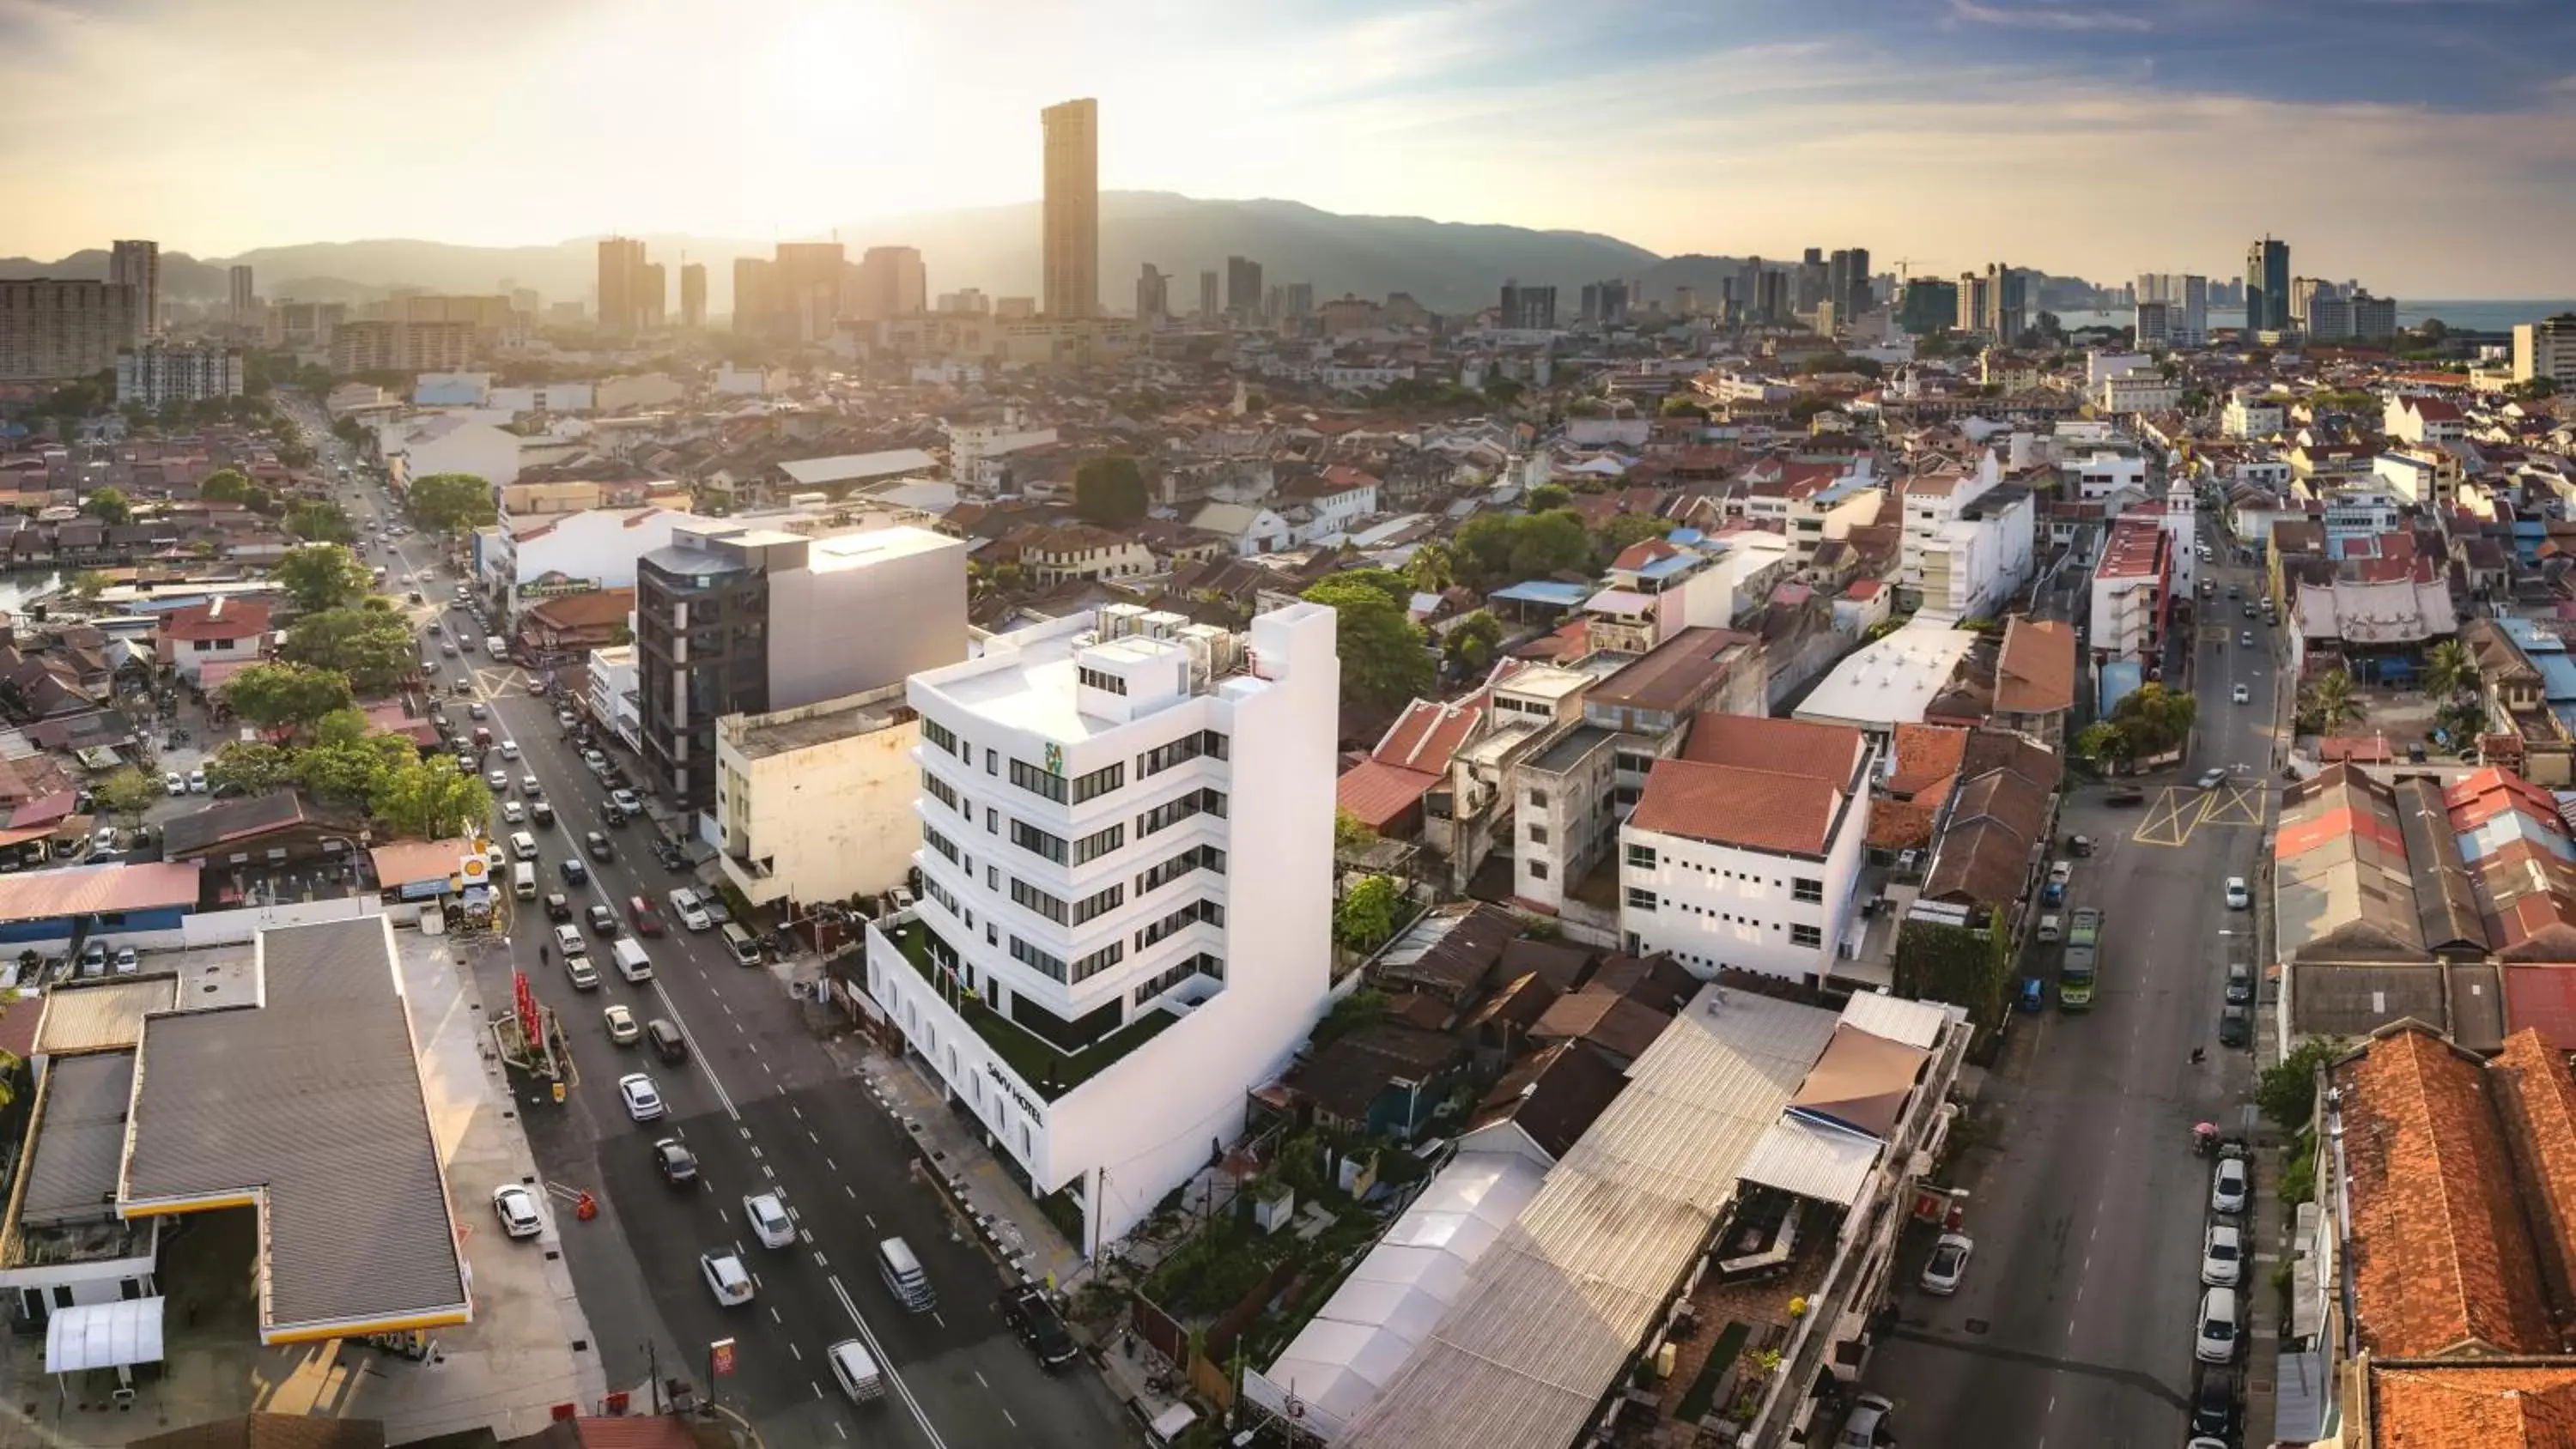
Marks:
<point>1396,1296</point>
<point>103,1335</point>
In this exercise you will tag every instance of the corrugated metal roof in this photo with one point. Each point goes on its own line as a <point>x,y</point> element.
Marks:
<point>101,1016</point>
<point>82,890</point>
<point>1915,1023</point>
<point>313,1097</point>
<point>80,1139</point>
<point>1555,1307</point>
<point>1813,1159</point>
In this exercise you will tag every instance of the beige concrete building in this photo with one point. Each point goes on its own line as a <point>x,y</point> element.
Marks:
<point>59,330</point>
<point>804,797</point>
<point>1072,209</point>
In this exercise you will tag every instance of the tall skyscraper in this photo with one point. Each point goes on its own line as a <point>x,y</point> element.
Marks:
<point>1301,301</point>
<point>2267,286</point>
<point>137,264</point>
<point>1853,297</point>
<point>755,294</point>
<point>1153,296</point>
<point>892,282</point>
<point>2007,303</point>
<point>1207,296</point>
<point>621,286</point>
<point>806,303</point>
<point>693,295</point>
<point>1072,210</point>
<point>1814,273</point>
<point>652,298</point>
<point>1527,309</point>
<point>244,301</point>
<point>1243,287</point>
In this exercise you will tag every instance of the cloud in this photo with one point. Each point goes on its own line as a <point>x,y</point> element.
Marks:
<point>2046,17</point>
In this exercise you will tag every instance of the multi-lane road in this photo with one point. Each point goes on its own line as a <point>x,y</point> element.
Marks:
<point>2075,1323</point>
<point>765,1109</point>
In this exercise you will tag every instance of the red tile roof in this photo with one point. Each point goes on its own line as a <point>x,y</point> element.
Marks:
<point>216,619</point>
<point>2537,1096</point>
<point>2441,1262</point>
<point>2036,672</point>
<point>1825,752</point>
<point>1429,732</point>
<point>1380,794</point>
<point>1764,810</point>
<point>2446,1407</point>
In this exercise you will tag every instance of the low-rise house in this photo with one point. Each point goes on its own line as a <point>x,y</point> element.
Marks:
<point>223,630</point>
<point>1079,553</point>
<point>574,624</point>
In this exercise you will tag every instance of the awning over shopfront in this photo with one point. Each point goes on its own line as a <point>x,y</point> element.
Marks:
<point>103,1335</point>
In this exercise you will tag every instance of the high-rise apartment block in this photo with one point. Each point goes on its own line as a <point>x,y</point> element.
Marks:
<point>158,374</point>
<point>1604,304</point>
<point>1071,224</point>
<point>693,295</point>
<point>1929,305</point>
<point>742,616</point>
<point>1300,302</point>
<point>2267,286</point>
<point>891,283</point>
<point>806,300</point>
<point>243,302</point>
<point>2007,303</point>
<point>1153,296</point>
<point>621,286</point>
<point>2338,314</point>
<point>137,264</point>
<point>402,346</point>
<point>2185,298</point>
<point>1526,309</point>
<point>1243,287</point>
<point>305,326</point>
<point>1124,923</point>
<point>2543,349</point>
<point>653,298</point>
<point>755,293</point>
<point>1208,303</point>
<point>58,330</point>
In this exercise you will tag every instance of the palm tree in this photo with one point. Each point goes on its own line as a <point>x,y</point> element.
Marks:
<point>2331,703</point>
<point>1433,568</point>
<point>2450,670</point>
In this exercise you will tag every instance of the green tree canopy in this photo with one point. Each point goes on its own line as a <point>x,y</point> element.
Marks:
<point>2153,718</point>
<point>431,800</point>
<point>1366,914</point>
<point>1546,496</point>
<point>319,522</point>
<point>369,643</point>
<point>452,502</point>
<point>286,696</point>
<point>108,506</point>
<point>2450,670</point>
<point>88,584</point>
<point>1497,549</point>
<point>1624,529</point>
<point>322,576</point>
<point>1384,664</point>
<point>353,771</point>
<point>1110,490</point>
<point>2287,1090</point>
<point>250,767</point>
<point>128,791</point>
<point>230,485</point>
<point>1470,644</point>
<point>1432,567</point>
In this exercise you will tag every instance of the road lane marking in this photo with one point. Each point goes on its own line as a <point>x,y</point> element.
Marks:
<point>797,1112</point>
<point>1007,1415</point>
<point>773,1314</point>
<point>820,1261</point>
<point>755,1151</point>
<point>845,1189</point>
<point>844,1428</point>
<point>792,1348</point>
<point>830,1164</point>
<point>876,1350</point>
<point>979,1378</point>
<point>810,1137</point>
<point>942,1322</point>
<point>771,1171</point>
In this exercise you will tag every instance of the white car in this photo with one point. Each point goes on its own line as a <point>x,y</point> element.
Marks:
<point>196,782</point>
<point>2215,1340</point>
<point>1949,1263</point>
<point>2222,1256</point>
<point>627,801</point>
<point>643,1099</point>
<point>2238,898</point>
<point>2211,779</point>
<point>621,1026</point>
<point>523,846</point>
<point>2242,695</point>
<point>513,813</point>
<point>726,1278</point>
<point>769,1220</point>
<point>1867,1422</point>
<point>2228,1187</point>
<point>517,1209</point>
<point>693,915</point>
<point>510,748</point>
<point>175,783</point>
<point>499,781</point>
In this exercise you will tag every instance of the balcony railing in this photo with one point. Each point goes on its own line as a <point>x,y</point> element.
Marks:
<point>1041,1068</point>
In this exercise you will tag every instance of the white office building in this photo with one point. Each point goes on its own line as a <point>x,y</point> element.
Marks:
<point>1125,915</point>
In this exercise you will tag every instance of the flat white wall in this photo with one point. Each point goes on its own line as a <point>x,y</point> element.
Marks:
<point>599,546</point>
<point>832,819</point>
<point>236,927</point>
<point>1724,906</point>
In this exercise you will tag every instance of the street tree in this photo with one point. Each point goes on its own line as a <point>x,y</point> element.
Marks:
<point>1546,496</point>
<point>2154,719</point>
<point>2450,671</point>
<point>1365,916</point>
<point>351,770</point>
<point>319,522</point>
<point>2287,1090</point>
<point>1110,490</point>
<point>1384,663</point>
<point>322,576</point>
<point>230,485</point>
<point>1432,568</point>
<point>369,643</point>
<point>2329,704</point>
<point>431,800</point>
<point>88,584</point>
<point>128,791</point>
<point>452,502</point>
<point>286,696</point>
<point>1498,549</point>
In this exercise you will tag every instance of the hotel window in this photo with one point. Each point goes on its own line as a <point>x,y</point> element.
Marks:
<point>1098,783</point>
<point>1031,898</point>
<point>1640,899</point>
<point>1037,842</point>
<point>940,735</point>
<point>938,789</point>
<point>1051,967</point>
<point>1037,782</point>
<point>1810,891</point>
<point>1102,680</point>
<point>1806,936</point>
<point>1099,903</point>
<point>1642,856</point>
<point>1099,961</point>
<point>1098,843</point>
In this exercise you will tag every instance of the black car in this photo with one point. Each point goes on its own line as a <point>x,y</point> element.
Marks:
<point>1033,1317</point>
<point>677,1164</point>
<point>574,872</point>
<point>2125,797</point>
<point>558,908</point>
<point>2235,1027</point>
<point>2213,1406</point>
<point>597,844</point>
<point>541,812</point>
<point>603,921</point>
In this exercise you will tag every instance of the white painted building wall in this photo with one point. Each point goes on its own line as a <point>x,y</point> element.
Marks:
<point>597,547</point>
<point>1715,906</point>
<point>816,823</point>
<point>613,685</point>
<point>1144,1125</point>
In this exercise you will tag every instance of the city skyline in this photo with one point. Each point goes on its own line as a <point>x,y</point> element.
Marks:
<point>1750,135</point>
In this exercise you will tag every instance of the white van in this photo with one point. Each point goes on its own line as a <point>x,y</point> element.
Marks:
<point>523,880</point>
<point>632,963</point>
<point>903,1276</point>
<point>745,950</point>
<point>855,1371</point>
<point>495,645</point>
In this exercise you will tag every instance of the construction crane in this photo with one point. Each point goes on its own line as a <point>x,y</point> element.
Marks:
<point>1902,263</point>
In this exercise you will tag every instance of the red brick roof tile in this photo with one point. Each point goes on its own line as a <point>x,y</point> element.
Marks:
<point>1764,810</point>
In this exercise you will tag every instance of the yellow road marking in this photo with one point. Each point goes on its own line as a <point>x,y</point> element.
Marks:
<point>2171,815</point>
<point>2235,804</point>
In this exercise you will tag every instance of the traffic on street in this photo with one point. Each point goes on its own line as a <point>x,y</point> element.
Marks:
<point>761,1233</point>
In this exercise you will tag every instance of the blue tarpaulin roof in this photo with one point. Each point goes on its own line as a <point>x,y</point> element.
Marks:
<point>1545,591</point>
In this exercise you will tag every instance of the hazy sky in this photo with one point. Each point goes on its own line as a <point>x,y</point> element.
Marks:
<point>2427,147</point>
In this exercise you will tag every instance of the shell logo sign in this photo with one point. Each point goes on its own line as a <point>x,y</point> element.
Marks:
<point>474,870</point>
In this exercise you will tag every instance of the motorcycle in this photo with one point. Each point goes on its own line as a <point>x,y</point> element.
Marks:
<point>2204,1140</point>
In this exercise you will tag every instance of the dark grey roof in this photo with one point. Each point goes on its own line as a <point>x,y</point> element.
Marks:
<point>315,1097</point>
<point>80,1139</point>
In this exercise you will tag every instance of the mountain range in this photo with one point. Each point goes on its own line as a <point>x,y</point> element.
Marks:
<point>1446,266</point>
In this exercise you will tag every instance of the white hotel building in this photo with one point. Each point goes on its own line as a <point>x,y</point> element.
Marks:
<point>1125,915</point>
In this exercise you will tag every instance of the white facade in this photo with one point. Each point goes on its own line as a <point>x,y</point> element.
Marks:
<point>803,797</point>
<point>157,374</point>
<point>2103,472</point>
<point>2410,478</point>
<point>1715,906</point>
<point>975,452</point>
<point>613,686</point>
<point>594,549</point>
<point>1121,815</point>
<point>2101,367</point>
<point>2545,350</point>
<point>1970,566</point>
<point>2253,417</point>
<point>1330,514</point>
<point>2138,392</point>
<point>418,448</point>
